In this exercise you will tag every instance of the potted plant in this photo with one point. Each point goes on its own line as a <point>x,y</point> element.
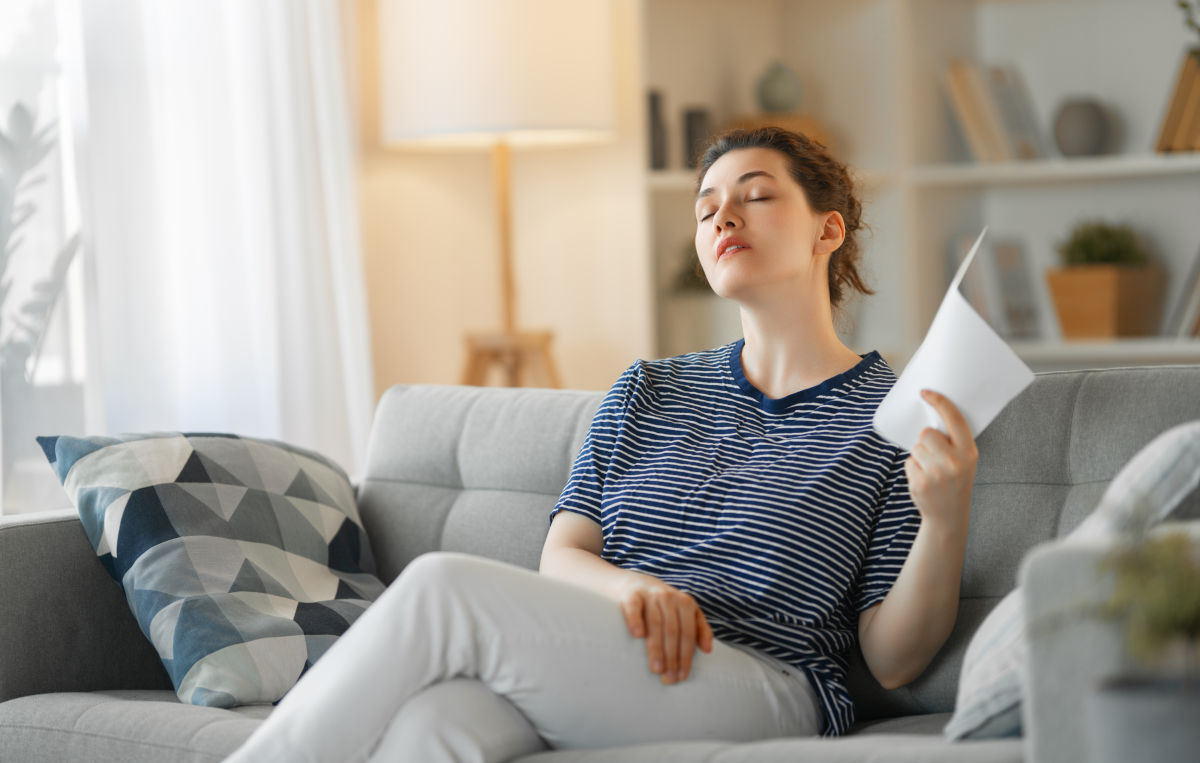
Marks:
<point>1108,286</point>
<point>1151,713</point>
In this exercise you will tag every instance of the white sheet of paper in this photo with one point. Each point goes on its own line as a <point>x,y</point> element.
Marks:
<point>962,358</point>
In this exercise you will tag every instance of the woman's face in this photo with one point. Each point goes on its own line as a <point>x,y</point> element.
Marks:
<point>755,229</point>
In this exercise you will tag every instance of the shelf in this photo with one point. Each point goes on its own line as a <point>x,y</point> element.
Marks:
<point>1133,352</point>
<point>1050,171</point>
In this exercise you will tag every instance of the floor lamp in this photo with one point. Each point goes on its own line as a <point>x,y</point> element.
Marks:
<point>484,74</point>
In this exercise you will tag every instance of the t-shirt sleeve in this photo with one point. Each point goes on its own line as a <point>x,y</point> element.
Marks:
<point>895,530</point>
<point>585,486</point>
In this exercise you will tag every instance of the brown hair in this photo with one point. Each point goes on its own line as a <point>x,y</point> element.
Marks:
<point>827,187</point>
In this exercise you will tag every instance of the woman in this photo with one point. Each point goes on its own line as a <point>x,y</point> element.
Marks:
<point>731,526</point>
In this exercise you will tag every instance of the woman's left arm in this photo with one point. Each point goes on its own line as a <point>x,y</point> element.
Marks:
<point>901,634</point>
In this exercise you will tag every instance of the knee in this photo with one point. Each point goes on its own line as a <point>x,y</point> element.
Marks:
<point>438,570</point>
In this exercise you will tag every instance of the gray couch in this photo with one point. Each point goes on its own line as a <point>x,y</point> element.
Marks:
<point>477,470</point>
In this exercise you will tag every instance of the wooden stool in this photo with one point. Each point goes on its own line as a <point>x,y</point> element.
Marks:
<point>515,352</point>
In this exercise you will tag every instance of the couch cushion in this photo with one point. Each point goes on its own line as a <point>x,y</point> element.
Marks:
<point>913,739</point>
<point>468,469</point>
<point>242,559</point>
<point>121,727</point>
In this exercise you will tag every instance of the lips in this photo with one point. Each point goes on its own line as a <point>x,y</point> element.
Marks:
<point>730,245</point>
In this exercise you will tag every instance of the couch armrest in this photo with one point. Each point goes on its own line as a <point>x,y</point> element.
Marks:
<point>1070,650</point>
<point>64,622</point>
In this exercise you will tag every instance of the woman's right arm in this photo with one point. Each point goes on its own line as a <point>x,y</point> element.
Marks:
<point>669,619</point>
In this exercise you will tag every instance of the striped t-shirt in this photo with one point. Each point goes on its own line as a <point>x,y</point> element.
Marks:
<point>784,518</point>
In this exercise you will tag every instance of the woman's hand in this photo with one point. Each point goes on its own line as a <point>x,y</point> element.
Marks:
<point>941,467</point>
<point>670,621</point>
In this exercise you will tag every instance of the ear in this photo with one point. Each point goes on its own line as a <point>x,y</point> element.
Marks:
<point>833,233</point>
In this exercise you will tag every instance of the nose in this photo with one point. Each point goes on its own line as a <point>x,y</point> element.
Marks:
<point>725,219</point>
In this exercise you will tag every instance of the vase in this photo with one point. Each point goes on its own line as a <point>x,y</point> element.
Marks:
<point>1081,127</point>
<point>778,89</point>
<point>1144,719</point>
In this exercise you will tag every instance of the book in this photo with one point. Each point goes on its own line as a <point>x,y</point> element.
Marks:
<point>1189,131</point>
<point>970,122</point>
<point>993,122</point>
<point>1025,137</point>
<point>978,285</point>
<point>1189,118</point>
<point>1014,281</point>
<point>1171,117</point>
<point>1186,315</point>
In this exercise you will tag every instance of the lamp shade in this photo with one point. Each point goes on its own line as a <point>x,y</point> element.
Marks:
<point>477,71</point>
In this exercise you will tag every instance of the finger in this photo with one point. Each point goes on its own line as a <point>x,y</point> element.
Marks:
<point>704,633</point>
<point>932,449</point>
<point>687,642</point>
<point>916,477</point>
<point>956,425</point>
<point>913,467</point>
<point>654,644</point>
<point>671,641</point>
<point>632,608</point>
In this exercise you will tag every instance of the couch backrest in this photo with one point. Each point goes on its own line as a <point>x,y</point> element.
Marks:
<point>471,469</point>
<point>479,469</point>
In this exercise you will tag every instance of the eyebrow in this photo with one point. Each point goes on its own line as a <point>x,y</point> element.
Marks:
<point>752,174</point>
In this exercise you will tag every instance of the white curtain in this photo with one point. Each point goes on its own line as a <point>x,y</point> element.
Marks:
<point>224,225</point>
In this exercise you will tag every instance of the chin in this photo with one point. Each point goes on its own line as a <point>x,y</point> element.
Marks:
<point>732,288</point>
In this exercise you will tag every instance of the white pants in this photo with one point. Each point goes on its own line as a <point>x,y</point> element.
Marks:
<point>465,658</point>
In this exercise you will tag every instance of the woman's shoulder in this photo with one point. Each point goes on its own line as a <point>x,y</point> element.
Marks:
<point>868,382</point>
<point>687,374</point>
<point>714,361</point>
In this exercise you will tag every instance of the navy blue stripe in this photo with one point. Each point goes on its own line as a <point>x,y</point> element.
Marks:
<point>784,518</point>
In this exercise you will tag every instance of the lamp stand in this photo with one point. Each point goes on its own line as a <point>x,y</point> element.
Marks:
<point>516,352</point>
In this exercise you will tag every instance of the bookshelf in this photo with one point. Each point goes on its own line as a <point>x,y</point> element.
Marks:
<point>871,71</point>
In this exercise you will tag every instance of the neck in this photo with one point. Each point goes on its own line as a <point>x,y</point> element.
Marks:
<point>791,346</point>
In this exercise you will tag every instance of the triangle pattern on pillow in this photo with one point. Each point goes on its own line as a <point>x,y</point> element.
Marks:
<point>193,470</point>
<point>217,473</point>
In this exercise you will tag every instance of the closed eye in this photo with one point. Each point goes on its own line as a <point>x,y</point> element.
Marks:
<point>757,198</point>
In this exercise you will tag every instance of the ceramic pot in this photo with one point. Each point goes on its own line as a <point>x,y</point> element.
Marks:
<point>1081,127</point>
<point>1106,301</point>
<point>1143,719</point>
<point>778,89</point>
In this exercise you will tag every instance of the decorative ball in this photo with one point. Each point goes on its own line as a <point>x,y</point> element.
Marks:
<point>1081,127</point>
<point>778,89</point>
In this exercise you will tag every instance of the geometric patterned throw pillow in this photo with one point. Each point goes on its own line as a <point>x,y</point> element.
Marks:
<point>242,559</point>
<point>1150,487</point>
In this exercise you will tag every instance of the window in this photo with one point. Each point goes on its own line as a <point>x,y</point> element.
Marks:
<point>42,356</point>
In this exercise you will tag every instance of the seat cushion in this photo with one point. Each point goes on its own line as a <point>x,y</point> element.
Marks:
<point>909,739</point>
<point>242,559</point>
<point>121,727</point>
